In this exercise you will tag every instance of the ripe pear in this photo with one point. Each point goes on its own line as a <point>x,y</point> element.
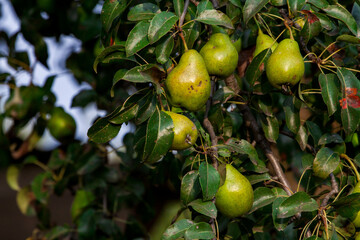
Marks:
<point>285,66</point>
<point>188,84</point>
<point>236,196</point>
<point>263,42</point>
<point>185,131</point>
<point>61,125</point>
<point>220,55</point>
<point>356,221</point>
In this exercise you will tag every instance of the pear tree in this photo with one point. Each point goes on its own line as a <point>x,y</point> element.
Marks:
<point>242,115</point>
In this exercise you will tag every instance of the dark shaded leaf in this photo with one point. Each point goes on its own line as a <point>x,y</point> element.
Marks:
<point>206,208</point>
<point>178,7</point>
<point>252,7</point>
<point>292,116</point>
<point>209,180</point>
<point>143,11</point>
<point>325,162</point>
<point>103,131</point>
<point>200,230</point>
<point>340,13</point>
<point>314,130</point>
<point>177,230</point>
<point>190,187</point>
<point>330,138</point>
<point>279,223</point>
<point>214,17</point>
<point>159,136</point>
<point>348,39</point>
<point>329,91</point>
<point>253,72</point>
<point>111,10</point>
<point>297,203</point>
<point>160,25</point>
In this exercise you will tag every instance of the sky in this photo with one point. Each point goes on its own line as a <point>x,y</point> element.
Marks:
<point>65,87</point>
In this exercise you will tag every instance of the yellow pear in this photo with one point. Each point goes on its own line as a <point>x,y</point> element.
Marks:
<point>188,84</point>
<point>357,219</point>
<point>185,131</point>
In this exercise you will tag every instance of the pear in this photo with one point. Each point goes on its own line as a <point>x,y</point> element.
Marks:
<point>263,42</point>
<point>236,196</point>
<point>356,221</point>
<point>285,66</point>
<point>188,84</point>
<point>185,131</point>
<point>220,55</point>
<point>61,125</point>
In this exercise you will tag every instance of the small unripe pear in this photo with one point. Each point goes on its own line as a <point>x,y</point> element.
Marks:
<point>263,42</point>
<point>356,221</point>
<point>185,131</point>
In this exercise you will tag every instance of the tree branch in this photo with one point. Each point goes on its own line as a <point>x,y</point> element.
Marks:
<point>334,190</point>
<point>258,136</point>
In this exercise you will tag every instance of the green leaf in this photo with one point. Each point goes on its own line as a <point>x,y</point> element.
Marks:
<point>292,117</point>
<point>159,136</point>
<point>311,28</point>
<point>137,38</point>
<point>302,137</point>
<point>83,98</point>
<point>190,187</point>
<point>58,232</point>
<point>147,109</point>
<point>252,7</point>
<point>215,17</point>
<point>329,91</point>
<point>330,138</point>
<point>138,74</point>
<point>325,162</point>
<point>82,199</point>
<point>106,52</point>
<point>262,196</point>
<point>296,5</point>
<point>103,131</point>
<point>256,178</point>
<point>297,203</point>
<point>279,223</point>
<point>237,3</point>
<point>143,11</point>
<point>253,71</point>
<point>348,206</point>
<point>38,187</point>
<point>177,230</point>
<point>125,114</point>
<point>161,24</point>
<point>318,3</point>
<point>209,180</point>
<point>178,7</point>
<point>340,13</point>
<point>91,164</point>
<point>87,224</point>
<point>200,230</point>
<point>204,5</point>
<point>325,21</point>
<point>206,208</point>
<point>242,146</point>
<point>23,199</point>
<point>314,130</point>
<point>191,33</point>
<point>348,39</point>
<point>350,110</point>
<point>12,177</point>
<point>164,49</point>
<point>111,10</point>
<point>270,125</point>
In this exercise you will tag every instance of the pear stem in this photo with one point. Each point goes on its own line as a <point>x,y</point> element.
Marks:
<point>346,157</point>
<point>181,22</point>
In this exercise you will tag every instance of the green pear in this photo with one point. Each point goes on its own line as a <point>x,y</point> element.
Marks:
<point>61,125</point>
<point>220,55</point>
<point>188,84</point>
<point>185,131</point>
<point>285,66</point>
<point>356,221</point>
<point>236,196</point>
<point>263,42</point>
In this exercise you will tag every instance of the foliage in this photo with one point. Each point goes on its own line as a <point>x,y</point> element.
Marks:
<point>262,131</point>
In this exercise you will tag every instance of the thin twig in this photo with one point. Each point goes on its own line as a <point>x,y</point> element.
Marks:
<point>334,190</point>
<point>181,22</point>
